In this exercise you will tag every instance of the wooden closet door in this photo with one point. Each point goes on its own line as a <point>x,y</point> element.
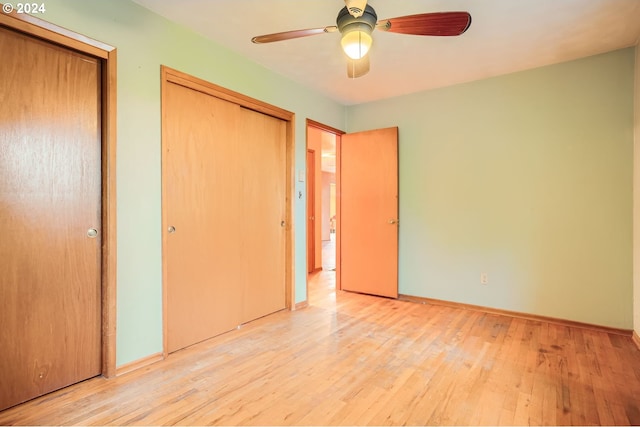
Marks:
<point>263,212</point>
<point>50,196</point>
<point>202,204</point>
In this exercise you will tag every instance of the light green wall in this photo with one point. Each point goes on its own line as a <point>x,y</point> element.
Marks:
<point>144,42</point>
<point>636,199</point>
<point>527,177</point>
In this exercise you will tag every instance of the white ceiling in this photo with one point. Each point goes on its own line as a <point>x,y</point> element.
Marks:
<point>505,36</point>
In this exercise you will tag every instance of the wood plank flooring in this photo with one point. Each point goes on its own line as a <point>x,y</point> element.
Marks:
<point>351,359</point>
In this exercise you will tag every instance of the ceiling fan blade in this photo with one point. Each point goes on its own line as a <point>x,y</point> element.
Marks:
<point>286,35</point>
<point>428,24</point>
<point>358,67</point>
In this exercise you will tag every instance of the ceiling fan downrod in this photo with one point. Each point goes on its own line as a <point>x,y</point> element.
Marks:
<point>356,7</point>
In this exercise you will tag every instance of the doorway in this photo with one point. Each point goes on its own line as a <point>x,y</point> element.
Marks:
<point>322,205</point>
<point>364,242</point>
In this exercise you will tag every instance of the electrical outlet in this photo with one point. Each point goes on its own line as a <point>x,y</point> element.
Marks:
<point>484,278</point>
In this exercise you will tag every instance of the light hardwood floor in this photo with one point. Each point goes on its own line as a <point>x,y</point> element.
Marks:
<point>351,359</point>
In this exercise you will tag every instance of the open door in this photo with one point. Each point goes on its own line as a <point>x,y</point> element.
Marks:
<point>369,212</point>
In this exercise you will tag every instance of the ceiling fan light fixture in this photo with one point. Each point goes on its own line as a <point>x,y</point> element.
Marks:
<point>356,42</point>
<point>356,32</point>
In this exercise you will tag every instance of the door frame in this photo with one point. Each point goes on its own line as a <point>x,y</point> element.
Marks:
<point>338,133</point>
<point>106,54</point>
<point>311,211</point>
<point>169,75</point>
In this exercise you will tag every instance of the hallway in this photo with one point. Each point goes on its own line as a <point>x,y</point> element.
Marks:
<point>329,253</point>
<point>322,283</point>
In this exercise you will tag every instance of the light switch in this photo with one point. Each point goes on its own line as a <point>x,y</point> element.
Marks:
<point>300,176</point>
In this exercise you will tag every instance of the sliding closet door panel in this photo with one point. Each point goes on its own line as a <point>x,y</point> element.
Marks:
<point>203,198</point>
<point>263,211</point>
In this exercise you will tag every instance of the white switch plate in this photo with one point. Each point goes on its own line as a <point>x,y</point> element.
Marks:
<point>300,176</point>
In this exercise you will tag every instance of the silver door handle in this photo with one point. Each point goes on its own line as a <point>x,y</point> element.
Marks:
<point>171,229</point>
<point>393,221</point>
<point>92,233</point>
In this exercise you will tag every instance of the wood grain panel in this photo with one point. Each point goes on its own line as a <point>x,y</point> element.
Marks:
<point>368,202</point>
<point>170,75</point>
<point>50,194</point>
<point>203,200</point>
<point>263,214</point>
<point>33,26</point>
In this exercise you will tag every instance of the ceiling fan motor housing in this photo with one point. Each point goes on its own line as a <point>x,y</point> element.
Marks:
<point>347,21</point>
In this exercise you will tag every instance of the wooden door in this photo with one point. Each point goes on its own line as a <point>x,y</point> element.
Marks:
<point>50,196</point>
<point>202,203</point>
<point>224,186</point>
<point>369,212</point>
<point>311,211</point>
<point>262,234</point>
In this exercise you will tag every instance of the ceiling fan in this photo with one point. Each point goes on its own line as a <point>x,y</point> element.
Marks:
<point>357,20</point>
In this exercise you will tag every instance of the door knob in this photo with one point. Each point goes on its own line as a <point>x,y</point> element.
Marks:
<point>171,229</point>
<point>92,232</point>
<point>393,221</point>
